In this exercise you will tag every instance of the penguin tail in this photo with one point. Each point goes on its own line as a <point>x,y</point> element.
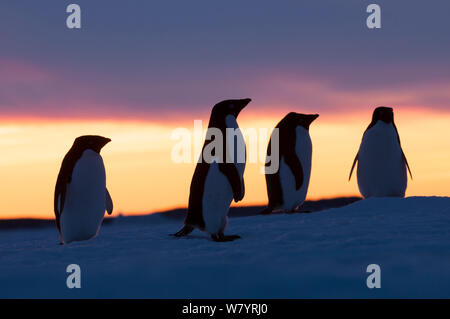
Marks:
<point>186,230</point>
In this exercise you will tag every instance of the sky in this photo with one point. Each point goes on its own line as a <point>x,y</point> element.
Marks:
<point>137,70</point>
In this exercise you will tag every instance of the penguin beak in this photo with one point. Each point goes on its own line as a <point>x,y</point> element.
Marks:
<point>308,119</point>
<point>245,102</point>
<point>104,141</point>
<point>241,104</point>
<point>312,118</point>
<point>107,140</point>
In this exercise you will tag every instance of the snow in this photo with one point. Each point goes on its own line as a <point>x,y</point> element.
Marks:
<point>317,255</point>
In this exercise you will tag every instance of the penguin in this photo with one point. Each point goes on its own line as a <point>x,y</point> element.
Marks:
<point>381,161</point>
<point>217,182</point>
<point>81,196</point>
<point>287,188</point>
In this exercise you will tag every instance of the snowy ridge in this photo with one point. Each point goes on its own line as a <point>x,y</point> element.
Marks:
<point>318,255</point>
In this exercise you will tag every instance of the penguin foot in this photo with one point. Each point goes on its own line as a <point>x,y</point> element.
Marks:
<point>222,238</point>
<point>186,230</point>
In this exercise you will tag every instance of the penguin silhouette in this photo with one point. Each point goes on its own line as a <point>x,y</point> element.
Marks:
<point>215,184</point>
<point>288,186</point>
<point>381,161</point>
<point>81,197</point>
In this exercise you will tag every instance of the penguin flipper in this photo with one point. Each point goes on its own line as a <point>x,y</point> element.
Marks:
<point>60,197</point>
<point>407,165</point>
<point>295,165</point>
<point>232,174</point>
<point>186,230</point>
<point>274,192</point>
<point>403,154</point>
<point>353,166</point>
<point>109,203</point>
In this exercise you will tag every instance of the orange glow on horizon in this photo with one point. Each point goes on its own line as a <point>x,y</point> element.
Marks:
<point>142,178</point>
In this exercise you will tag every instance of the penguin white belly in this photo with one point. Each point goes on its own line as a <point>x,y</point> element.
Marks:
<point>217,197</point>
<point>292,198</point>
<point>218,194</point>
<point>381,168</point>
<point>85,203</point>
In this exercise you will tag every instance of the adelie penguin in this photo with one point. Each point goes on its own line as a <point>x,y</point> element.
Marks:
<point>81,197</point>
<point>217,182</point>
<point>381,161</point>
<point>288,186</point>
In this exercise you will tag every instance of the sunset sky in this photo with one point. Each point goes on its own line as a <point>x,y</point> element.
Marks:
<point>139,69</point>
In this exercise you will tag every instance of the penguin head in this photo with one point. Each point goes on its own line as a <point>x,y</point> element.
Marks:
<point>229,107</point>
<point>382,113</point>
<point>298,119</point>
<point>90,142</point>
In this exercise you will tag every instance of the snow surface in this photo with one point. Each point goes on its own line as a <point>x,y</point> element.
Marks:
<point>318,255</point>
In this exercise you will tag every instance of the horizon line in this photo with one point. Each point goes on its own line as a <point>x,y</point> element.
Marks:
<point>166,210</point>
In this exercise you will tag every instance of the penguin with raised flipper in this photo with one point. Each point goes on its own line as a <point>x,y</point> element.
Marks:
<point>288,186</point>
<point>81,196</point>
<point>381,161</point>
<point>216,183</point>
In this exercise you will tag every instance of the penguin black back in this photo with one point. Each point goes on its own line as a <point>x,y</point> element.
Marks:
<point>82,143</point>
